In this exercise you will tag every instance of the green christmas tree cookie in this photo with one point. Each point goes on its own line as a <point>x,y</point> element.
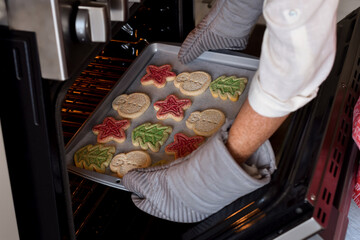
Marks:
<point>151,136</point>
<point>228,87</point>
<point>94,157</point>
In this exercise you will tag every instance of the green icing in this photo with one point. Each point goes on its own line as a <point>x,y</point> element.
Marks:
<point>95,155</point>
<point>151,134</point>
<point>228,85</point>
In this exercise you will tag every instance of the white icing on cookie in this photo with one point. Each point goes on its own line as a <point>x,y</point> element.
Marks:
<point>207,122</point>
<point>124,162</point>
<point>131,106</point>
<point>192,84</point>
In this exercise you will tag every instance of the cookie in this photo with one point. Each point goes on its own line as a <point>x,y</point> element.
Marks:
<point>207,122</point>
<point>183,145</point>
<point>151,136</point>
<point>161,162</point>
<point>171,107</point>
<point>192,84</point>
<point>228,87</point>
<point>158,75</point>
<point>111,129</point>
<point>132,105</point>
<point>94,157</point>
<point>124,162</point>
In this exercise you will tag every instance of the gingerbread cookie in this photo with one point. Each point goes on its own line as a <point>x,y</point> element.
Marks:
<point>132,105</point>
<point>158,76</point>
<point>228,87</point>
<point>151,136</point>
<point>183,145</point>
<point>94,157</point>
<point>207,122</point>
<point>111,129</point>
<point>171,107</point>
<point>192,84</point>
<point>124,162</point>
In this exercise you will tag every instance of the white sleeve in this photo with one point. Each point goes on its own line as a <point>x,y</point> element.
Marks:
<point>297,54</point>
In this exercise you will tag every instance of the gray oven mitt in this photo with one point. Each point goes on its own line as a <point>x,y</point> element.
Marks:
<point>192,188</point>
<point>227,26</point>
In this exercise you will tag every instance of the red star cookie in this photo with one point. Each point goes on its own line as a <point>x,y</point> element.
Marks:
<point>172,107</point>
<point>183,145</point>
<point>111,129</point>
<point>158,75</point>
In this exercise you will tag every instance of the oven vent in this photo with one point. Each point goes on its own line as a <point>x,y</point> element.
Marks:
<point>339,147</point>
<point>338,150</point>
<point>338,133</point>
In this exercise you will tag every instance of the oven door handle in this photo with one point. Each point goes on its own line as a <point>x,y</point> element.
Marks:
<point>119,10</point>
<point>93,22</point>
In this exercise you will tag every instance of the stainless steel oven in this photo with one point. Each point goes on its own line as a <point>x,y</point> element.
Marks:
<point>59,60</point>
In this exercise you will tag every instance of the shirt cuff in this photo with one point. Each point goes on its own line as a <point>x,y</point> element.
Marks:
<point>269,106</point>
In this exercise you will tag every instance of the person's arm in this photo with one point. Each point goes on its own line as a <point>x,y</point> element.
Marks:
<point>249,131</point>
<point>296,56</point>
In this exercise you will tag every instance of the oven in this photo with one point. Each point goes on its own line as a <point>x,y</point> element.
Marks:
<point>59,61</point>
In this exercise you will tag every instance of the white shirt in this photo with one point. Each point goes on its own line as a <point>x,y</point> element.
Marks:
<point>298,52</point>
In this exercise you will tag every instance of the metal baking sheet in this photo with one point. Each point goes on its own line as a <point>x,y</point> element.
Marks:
<point>215,63</point>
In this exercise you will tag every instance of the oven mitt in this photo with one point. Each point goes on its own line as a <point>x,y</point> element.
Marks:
<point>190,189</point>
<point>227,26</point>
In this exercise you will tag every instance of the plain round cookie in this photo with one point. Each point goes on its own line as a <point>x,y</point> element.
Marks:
<point>207,122</point>
<point>132,105</point>
<point>192,84</point>
<point>124,162</point>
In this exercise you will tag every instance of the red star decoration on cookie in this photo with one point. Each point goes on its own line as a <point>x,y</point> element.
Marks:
<point>111,129</point>
<point>158,75</point>
<point>172,107</point>
<point>183,145</point>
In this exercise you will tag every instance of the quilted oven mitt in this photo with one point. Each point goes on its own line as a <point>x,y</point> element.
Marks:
<point>192,188</point>
<point>227,26</point>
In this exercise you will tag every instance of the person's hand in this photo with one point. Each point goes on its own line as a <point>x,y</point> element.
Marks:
<point>227,26</point>
<point>192,188</point>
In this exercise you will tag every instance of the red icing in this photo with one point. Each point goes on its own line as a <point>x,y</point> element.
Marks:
<point>111,129</point>
<point>184,145</point>
<point>173,106</point>
<point>157,74</point>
